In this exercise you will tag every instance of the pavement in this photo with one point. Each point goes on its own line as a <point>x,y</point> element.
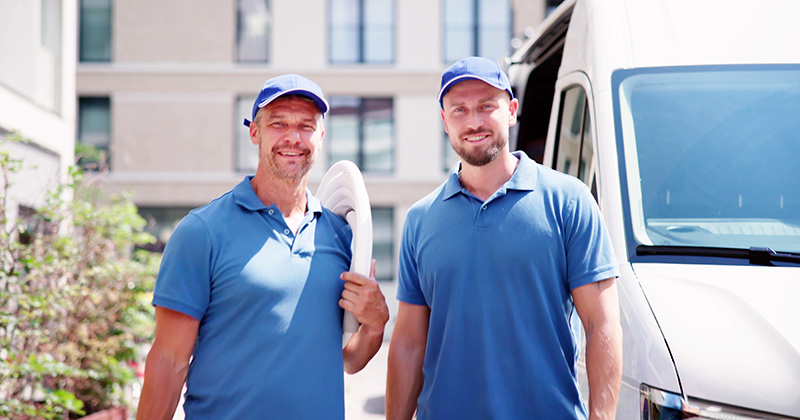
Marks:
<point>364,391</point>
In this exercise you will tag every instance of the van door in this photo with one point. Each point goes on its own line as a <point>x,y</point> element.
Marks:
<point>571,150</point>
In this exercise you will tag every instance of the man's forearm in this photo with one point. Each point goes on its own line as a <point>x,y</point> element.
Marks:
<point>604,369</point>
<point>361,348</point>
<point>161,392</point>
<point>404,382</point>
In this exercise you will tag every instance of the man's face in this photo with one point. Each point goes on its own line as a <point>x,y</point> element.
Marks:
<point>476,117</point>
<point>289,134</point>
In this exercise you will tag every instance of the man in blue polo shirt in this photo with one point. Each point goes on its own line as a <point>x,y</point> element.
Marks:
<point>252,286</point>
<point>494,265</point>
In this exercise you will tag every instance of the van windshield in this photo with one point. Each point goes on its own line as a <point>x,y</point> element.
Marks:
<point>712,155</point>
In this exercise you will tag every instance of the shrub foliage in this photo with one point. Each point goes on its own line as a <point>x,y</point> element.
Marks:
<point>74,303</point>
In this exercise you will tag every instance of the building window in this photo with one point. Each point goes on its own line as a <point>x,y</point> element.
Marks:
<point>161,222</point>
<point>362,31</point>
<point>252,32</point>
<point>95,30</point>
<point>245,152</point>
<point>383,242</point>
<point>94,133</point>
<point>361,130</point>
<point>476,27</point>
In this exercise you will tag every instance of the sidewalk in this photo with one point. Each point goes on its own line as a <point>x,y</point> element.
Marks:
<point>364,391</point>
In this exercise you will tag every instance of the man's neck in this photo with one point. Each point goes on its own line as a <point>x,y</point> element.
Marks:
<point>288,195</point>
<point>484,181</point>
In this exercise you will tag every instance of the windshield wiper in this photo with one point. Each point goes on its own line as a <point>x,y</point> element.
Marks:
<point>756,255</point>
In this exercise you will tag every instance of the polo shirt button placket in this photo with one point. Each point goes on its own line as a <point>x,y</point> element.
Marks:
<point>481,219</point>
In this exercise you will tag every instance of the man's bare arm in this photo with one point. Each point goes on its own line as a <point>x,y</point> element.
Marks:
<point>598,306</point>
<point>167,364</point>
<point>406,357</point>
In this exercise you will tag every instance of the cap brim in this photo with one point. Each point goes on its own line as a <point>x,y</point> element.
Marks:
<point>462,78</point>
<point>322,104</point>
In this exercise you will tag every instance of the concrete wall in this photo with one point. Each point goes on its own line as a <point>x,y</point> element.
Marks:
<point>37,92</point>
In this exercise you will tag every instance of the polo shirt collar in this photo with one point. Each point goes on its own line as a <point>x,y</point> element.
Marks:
<point>524,177</point>
<point>245,196</point>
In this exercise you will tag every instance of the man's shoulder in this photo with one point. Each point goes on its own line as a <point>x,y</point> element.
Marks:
<point>214,213</point>
<point>217,207</point>
<point>559,183</point>
<point>424,205</point>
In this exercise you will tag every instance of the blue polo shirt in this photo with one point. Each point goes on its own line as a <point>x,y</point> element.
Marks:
<point>270,338</point>
<point>497,276</point>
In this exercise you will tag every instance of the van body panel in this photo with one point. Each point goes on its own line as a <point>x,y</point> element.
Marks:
<point>734,331</point>
<point>706,330</point>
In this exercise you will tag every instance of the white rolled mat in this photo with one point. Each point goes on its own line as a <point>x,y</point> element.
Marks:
<point>343,192</point>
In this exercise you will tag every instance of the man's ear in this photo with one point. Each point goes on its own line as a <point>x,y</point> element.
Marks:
<point>445,122</point>
<point>513,106</point>
<point>254,133</point>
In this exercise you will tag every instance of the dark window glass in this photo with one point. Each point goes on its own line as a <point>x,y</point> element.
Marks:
<point>161,222</point>
<point>94,133</point>
<point>253,29</point>
<point>95,30</point>
<point>362,130</point>
<point>383,242</point>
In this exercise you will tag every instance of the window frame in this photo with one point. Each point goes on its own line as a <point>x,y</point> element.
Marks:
<point>361,36</point>
<point>576,80</point>
<point>108,53</point>
<point>360,158</point>
<point>104,163</point>
<point>240,56</point>
<point>476,29</point>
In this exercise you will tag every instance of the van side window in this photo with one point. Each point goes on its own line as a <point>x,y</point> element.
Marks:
<point>574,149</point>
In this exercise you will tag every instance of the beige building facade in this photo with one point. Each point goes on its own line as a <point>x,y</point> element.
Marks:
<point>169,83</point>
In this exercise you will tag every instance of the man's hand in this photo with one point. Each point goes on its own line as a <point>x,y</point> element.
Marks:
<point>363,297</point>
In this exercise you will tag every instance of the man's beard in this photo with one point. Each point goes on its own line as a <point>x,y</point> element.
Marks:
<point>482,155</point>
<point>284,170</point>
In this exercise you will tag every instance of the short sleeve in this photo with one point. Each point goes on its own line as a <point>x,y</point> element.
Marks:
<point>590,254</point>
<point>184,279</point>
<point>408,287</point>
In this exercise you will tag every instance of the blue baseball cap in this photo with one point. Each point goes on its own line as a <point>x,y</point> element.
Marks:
<point>288,84</point>
<point>474,68</point>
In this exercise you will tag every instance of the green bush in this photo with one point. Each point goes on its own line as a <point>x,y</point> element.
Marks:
<point>74,300</point>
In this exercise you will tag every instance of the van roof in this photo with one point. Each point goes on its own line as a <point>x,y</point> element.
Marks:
<point>605,35</point>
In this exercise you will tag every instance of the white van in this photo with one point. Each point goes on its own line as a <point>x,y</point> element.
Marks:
<point>683,117</point>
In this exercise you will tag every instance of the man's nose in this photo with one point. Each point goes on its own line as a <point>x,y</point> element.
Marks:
<point>474,120</point>
<point>293,135</point>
